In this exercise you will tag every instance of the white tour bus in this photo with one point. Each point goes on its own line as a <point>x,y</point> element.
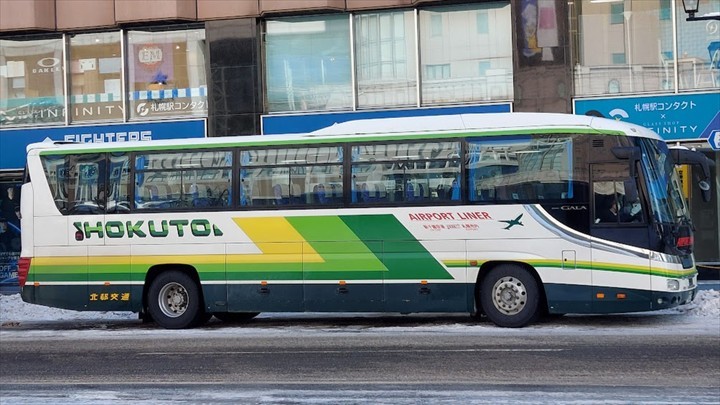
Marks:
<point>508,216</point>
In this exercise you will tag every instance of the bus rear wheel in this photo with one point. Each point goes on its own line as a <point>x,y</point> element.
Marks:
<point>510,296</point>
<point>174,301</point>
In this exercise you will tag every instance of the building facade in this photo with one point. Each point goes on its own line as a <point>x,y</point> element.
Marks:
<point>115,70</point>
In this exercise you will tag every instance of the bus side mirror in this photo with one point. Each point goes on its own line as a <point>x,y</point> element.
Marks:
<point>631,153</point>
<point>683,156</point>
<point>705,190</point>
<point>627,152</point>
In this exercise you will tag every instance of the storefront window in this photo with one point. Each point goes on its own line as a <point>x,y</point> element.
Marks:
<point>95,77</point>
<point>308,63</point>
<point>385,59</point>
<point>466,53</point>
<point>166,73</point>
<point>699,48</point>
<point>622,46</point>
<point>31,82</point>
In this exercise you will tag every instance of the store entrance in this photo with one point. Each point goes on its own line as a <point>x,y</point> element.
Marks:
<point>10,183</point>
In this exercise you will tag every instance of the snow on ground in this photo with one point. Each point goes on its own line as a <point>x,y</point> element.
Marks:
<point>702,316</point>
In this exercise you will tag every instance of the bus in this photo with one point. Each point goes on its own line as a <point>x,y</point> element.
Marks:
<point>501,216</point>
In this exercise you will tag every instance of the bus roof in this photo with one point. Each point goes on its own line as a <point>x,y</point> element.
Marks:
<point>438,126</point>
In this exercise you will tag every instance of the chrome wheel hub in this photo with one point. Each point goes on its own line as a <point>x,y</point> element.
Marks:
<point>173,300</point>
<point>509,295</point>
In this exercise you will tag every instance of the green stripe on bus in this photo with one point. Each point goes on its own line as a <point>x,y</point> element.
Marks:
<point>585,266</point>
<point>350,254</point>
<point>404,256</point>
<point>331,140</point>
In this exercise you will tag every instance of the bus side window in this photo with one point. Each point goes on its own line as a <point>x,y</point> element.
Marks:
<point>118,185</point>
<point>55,168</point>
<point>87,184</point>
<point>616,202</point>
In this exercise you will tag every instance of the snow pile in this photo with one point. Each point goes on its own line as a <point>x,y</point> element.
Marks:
<point>14,310</point>
<point>706,304</point>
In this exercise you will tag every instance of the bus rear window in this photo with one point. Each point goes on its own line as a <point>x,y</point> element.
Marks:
<point>88,183</point>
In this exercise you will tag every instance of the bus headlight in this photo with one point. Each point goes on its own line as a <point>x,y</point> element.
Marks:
<point>673,285</point>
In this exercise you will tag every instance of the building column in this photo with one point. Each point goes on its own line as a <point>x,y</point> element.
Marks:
<point>235,85</point>
<point>543,71</point>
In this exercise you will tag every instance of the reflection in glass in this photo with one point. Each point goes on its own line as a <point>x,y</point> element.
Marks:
<point>524,169</point>
<point>631,43</point>
<point>95,77</point>
<point>56,173</point>
<point>466,53</point>
<point>166,73</point>
<point>308,63</point>
<point>293,176</point>
<point>31,83</point>
<point>119,181</point>
<point>183,180</point>
<point>291,185</point>
<point>290,156</point>
<point>385,59</point>
<point>406,172</point>
<point>699,48</point>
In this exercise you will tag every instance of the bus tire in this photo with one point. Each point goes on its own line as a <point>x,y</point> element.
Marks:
<point>174,301</point>
<point>510,296</point>
<point>235,317</point>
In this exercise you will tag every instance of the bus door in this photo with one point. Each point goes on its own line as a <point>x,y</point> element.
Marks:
<point>620,227</point>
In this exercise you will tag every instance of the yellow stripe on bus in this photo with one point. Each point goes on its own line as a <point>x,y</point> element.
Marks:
<point>254,258</point>
<point>275,236</point>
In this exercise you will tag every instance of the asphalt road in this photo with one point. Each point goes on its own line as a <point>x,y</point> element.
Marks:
<point>349,366</point>
<point>683,361</point>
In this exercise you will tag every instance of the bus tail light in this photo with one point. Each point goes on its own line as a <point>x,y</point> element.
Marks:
<point>685,241</point>
<point>23,270</point>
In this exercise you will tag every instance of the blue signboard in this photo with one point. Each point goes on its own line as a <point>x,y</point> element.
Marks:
<point>714,139</point>
<point>302,123</point>
<point>677,117</point>
<point>14,141</point>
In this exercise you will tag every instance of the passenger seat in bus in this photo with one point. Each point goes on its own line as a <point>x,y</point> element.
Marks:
<point>152,193</point>
<point>279,193</point>
<point>409,192</point>
<point>295,196</point>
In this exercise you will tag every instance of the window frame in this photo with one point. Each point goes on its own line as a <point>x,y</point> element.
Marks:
<point>403,201</point>
<point>134,172</point>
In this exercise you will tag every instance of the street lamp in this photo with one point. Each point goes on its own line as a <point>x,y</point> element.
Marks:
<point>691,7</point>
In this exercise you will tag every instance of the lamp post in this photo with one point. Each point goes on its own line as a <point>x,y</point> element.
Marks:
<point>691,7</point>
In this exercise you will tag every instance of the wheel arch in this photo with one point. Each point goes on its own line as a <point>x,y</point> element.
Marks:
<point>486,267</point>
<point>155,270</point>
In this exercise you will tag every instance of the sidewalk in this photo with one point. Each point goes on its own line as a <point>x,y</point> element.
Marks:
<point>708,285</point>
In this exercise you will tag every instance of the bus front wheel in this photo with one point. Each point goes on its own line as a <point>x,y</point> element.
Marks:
<point>510,296</point>
<point>174,301</point>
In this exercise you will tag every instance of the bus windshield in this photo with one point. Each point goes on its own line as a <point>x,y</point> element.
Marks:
<point>666,200</point>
